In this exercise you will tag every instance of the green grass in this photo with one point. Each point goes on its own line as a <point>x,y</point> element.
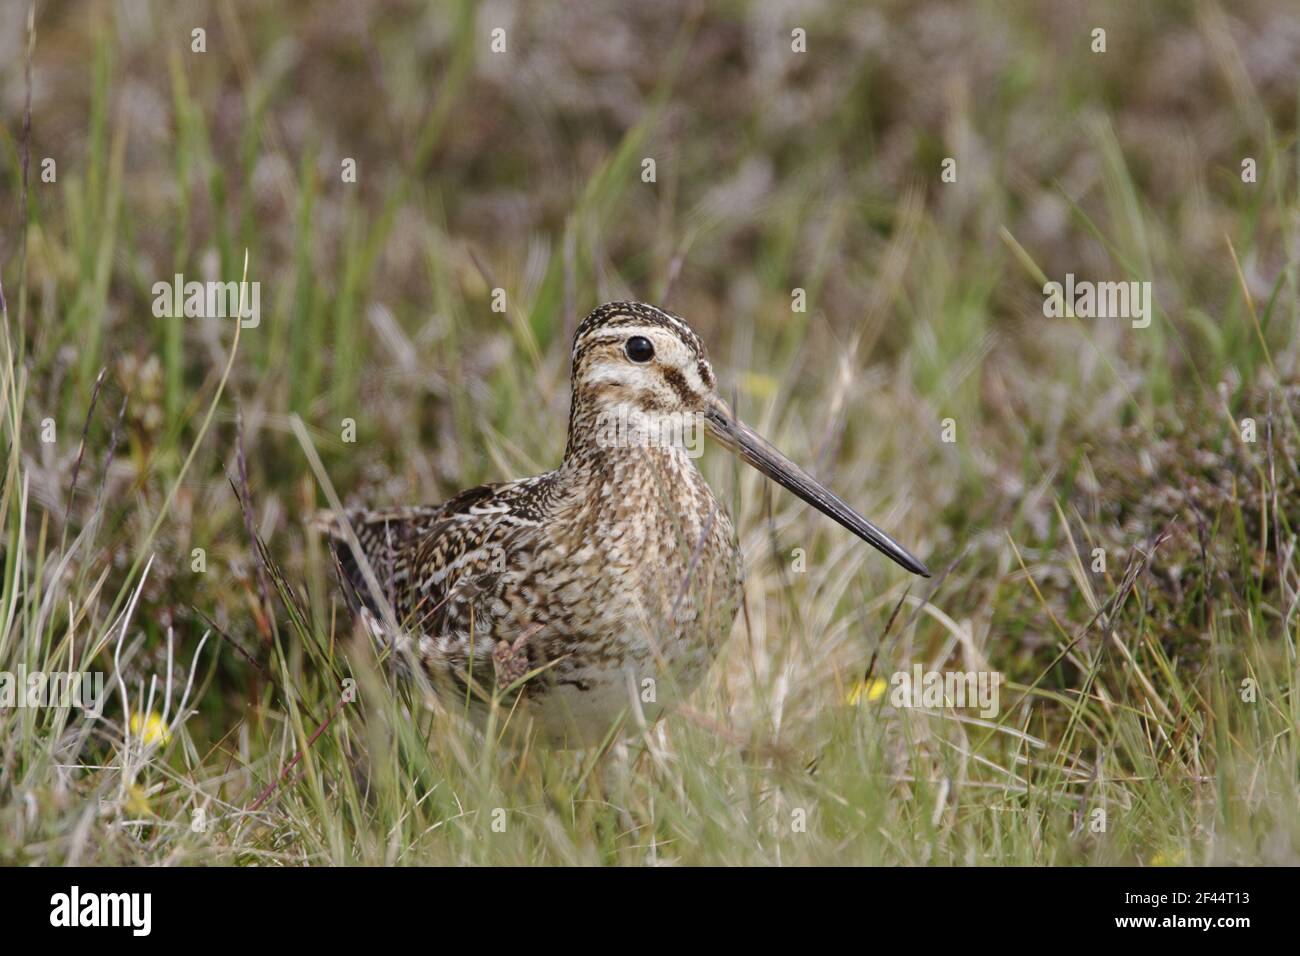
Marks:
<point>1124,692</point>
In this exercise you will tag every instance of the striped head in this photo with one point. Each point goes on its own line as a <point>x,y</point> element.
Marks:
<point>631,355</point>
<point>641,378</point>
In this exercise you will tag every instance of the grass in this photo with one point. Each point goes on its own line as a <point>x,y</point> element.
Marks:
<point>1149,710</point>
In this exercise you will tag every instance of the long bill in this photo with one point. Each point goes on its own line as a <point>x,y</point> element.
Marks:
<point>757,451</point>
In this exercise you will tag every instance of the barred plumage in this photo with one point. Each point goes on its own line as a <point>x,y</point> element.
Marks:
<point>608,583</point>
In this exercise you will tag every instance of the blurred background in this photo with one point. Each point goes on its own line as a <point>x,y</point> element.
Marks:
<point>774,171</point>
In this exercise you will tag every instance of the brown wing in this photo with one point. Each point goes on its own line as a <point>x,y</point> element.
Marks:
<point>433,563</point>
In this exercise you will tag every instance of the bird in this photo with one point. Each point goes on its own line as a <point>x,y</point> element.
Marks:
<point>603,588</point>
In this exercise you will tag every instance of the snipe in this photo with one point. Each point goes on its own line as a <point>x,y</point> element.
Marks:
<point>606,584</point>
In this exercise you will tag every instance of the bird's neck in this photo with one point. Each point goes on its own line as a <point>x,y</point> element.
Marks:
<point>623,458</point>
<point>655,490</point>
<point>646,500</point>
<point>621,431</point>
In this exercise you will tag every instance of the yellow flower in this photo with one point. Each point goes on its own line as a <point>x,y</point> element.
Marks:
<point>137,801</point>
<point>1173,858</point>
<point>870,692</point>
<point>151,728</point>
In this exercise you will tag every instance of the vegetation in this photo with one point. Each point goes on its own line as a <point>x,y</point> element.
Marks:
<point>1148,710</point>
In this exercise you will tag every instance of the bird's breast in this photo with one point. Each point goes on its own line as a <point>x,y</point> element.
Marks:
<point>632,589</point>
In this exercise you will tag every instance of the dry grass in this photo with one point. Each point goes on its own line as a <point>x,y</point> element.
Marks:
<point>775,171</point>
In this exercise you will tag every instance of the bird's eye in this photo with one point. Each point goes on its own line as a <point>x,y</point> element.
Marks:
<point>639,349</point>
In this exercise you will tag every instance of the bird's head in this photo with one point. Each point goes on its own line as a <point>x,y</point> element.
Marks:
<point>641,377</point>
<point>633,359</point>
